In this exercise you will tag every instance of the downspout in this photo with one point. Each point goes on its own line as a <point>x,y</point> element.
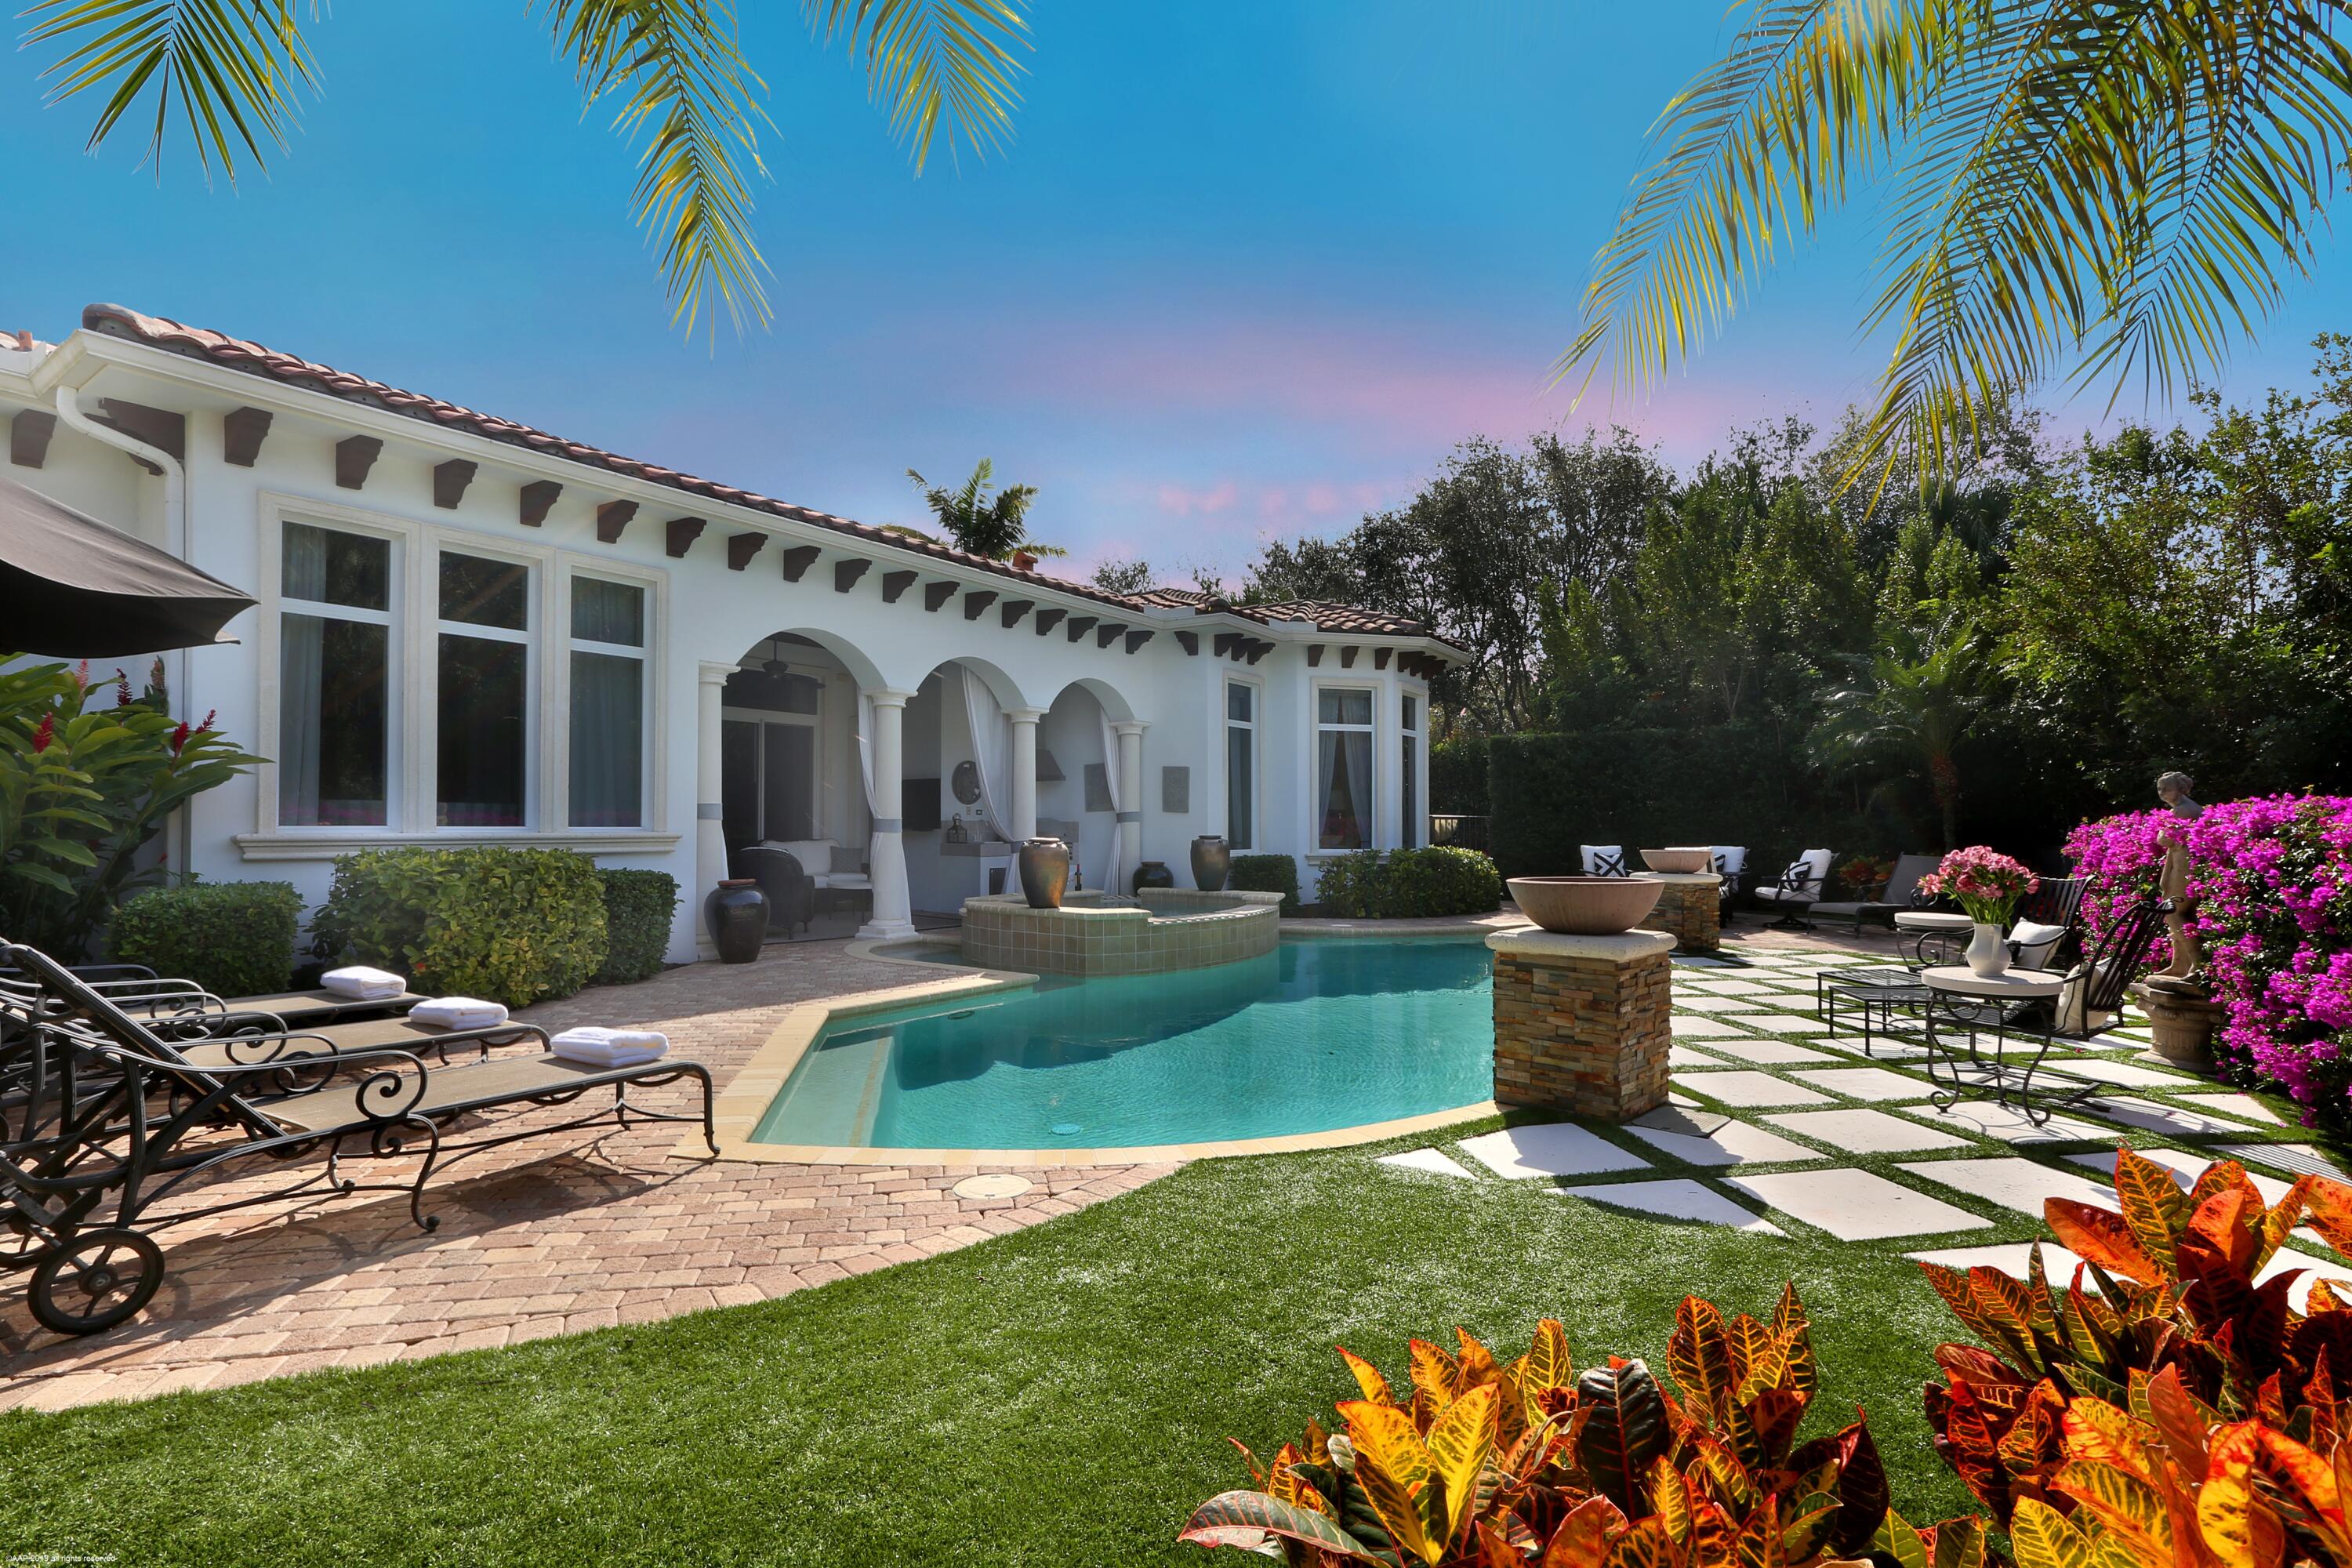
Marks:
<point>178,836</point>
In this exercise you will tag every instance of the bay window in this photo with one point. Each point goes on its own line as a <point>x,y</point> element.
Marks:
<point>1343,767</point>
<point>1241,764</point>
<point>1409,733</point>
<point>335,686</point>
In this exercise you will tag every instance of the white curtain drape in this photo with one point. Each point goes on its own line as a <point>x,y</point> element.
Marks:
<point>992,747</point>
<point>301,672</point>
<point>865,765</point>
<point>1114,871</point>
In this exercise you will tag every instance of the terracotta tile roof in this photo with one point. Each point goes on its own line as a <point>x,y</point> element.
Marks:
<point>1327,616</point>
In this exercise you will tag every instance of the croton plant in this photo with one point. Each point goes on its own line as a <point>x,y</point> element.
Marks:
<point>1480,1463</point>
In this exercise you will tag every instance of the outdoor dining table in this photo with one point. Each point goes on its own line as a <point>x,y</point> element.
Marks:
<point>1924,927</point>
<point>1960,1000</point>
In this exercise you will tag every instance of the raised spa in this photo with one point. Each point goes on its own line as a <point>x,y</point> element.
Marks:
<point>1168,929</point>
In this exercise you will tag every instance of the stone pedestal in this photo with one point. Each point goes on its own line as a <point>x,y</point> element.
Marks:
<point>1690,909</point>
<point>2180,1024</point>
<point>1581,1022</point>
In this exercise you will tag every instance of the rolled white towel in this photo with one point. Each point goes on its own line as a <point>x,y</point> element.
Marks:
<point>603,1047</point>
<point>361,984</point>
<point>459,1012</point>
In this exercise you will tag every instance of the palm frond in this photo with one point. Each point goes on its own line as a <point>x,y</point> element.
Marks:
<point>927,59</point>
<point>235,68</point>
<point>688,94</point>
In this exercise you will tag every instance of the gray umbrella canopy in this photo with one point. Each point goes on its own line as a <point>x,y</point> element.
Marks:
<point>71,587</point>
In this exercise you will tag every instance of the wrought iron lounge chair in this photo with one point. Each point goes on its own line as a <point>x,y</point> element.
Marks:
<point>136,1124</point>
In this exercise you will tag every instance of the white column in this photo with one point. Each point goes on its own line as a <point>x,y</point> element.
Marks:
<point>893,912</point>
<point>1130,798</point>
<point>1021,825</point>
<point>710,814</point>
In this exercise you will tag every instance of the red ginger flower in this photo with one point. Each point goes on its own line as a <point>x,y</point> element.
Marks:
<point>179,737</point>
<point>44,733</point>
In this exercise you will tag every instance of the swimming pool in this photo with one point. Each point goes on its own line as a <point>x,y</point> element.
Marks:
<point>1313,1036</point>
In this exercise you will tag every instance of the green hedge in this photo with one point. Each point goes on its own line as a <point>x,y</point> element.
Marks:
<point>1646,788</point>
<point>1409,884</point>
<point>234,938</point>
<point>1458,777</point>
<point>637,910</point>
<point>508,925</point>
<point>1268,874</point>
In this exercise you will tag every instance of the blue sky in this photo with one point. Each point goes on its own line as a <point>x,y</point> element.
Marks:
<point>1246,269</point>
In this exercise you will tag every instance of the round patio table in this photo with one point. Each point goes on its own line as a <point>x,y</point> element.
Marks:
<point>1992,1004</point>
<point>1925,928</point>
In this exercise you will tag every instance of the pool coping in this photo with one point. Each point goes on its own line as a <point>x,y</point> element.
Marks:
<point>738,1107</point>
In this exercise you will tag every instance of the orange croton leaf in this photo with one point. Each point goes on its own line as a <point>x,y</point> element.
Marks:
<point>2100,1236</point>
<point>1368,1376</point>
<point>2239,1527</point>
<point>2153,1204</point>
<point>1547,1363</point>
<point>2229,1222</point>
<point>1436,1371</point>
<point>1645,1545</point>
<point>2181,1419</point>
<point>1700,1358</point>
<point>1458,1446</point>
<point>1582,1539</point>
<point>1476,1362</point>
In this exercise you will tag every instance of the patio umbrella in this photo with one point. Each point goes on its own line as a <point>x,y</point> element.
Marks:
<point>75,588</point>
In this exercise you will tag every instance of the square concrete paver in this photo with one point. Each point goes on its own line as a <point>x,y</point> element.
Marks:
<point>1733,1143</point>
<point>2003,1124</point>
<point>2015,1258</point>
<point>2124,1075</point>
<point>2185,1168</point>
<point>1750,1089</point>
<point>2013,1184</point>
<point>1769,1053</point>
<point>1679,1056</point>
<point>2166,1120</point>
<point>2230,1103</point>
<point>1785,1024</point>
<point>2300,1159</point>
<point>1867,1132</point>
<point>1700,1028</point>
<point>1689,997</point>
<point>1550,1149</point>
<point>1875,1084</point>
<point>1677,1198</point>
<point>1429,1161</point>
<point>1855,1206</point>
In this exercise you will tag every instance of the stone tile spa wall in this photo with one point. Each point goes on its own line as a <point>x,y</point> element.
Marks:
<point>1185,929</point>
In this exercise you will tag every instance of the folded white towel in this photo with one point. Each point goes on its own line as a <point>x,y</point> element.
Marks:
<point>605,1047</point>
<point>459,1012</point>
<point>361,984</point>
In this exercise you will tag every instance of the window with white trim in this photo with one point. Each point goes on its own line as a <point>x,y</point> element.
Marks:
<point>1343,767</point>
<point>1241,764</point>
<point>1409,734</point>
<point>337,645</point>
<point>608,702</point>
<point>484,682</point>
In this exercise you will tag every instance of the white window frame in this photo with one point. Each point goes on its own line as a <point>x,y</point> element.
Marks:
<point>1255,725</point>
<point>570,569</point>
<point>1412,775</point>
<point>1315,729</point>
<point>531,638</point>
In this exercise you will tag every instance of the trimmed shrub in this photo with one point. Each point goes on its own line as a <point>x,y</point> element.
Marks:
<point>1409,884</point>
<point>509,925</point>
<point>637,910</point>
<point>1458,777</point>
<point>1268,874</point>
<point>234,938</point>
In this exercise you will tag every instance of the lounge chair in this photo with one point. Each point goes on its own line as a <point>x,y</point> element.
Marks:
<point>132,1122</point>
<point>1602,860</point>
<point>1799,886</point>
<point>1900,892</point>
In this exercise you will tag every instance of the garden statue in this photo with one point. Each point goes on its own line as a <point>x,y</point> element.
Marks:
<point>2182,1014</point>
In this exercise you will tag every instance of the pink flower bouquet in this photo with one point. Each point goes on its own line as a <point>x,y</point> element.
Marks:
<point>1983,881</point>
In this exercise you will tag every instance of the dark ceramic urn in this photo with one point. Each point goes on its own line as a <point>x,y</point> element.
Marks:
<point>737,913</point>
<point>1044,872</point>
<point>1152,874</point>
<point>1212,862</point>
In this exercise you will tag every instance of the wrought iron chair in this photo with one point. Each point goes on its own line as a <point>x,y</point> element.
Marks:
<point>128,1123</point>
<point>1797,890</point>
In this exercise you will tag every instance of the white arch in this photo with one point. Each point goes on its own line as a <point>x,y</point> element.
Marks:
<point>860,665</point>
<point>1113,702</point>
<point>1006,689</point>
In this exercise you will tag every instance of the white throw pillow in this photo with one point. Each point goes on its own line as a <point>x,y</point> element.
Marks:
<point>2036,942</point>
<point>1595,855</point>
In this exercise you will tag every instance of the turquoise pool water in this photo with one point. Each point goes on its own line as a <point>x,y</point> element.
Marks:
<point>1312,1036</point>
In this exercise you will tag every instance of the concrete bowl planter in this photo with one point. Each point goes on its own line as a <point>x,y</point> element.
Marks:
<point>1679,861</point>
<point>1586,906</point>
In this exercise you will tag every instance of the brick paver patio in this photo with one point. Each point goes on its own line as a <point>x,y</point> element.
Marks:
<point>579,1231</point>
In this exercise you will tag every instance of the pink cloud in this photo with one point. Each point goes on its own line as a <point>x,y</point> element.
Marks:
<point>1184,502</point>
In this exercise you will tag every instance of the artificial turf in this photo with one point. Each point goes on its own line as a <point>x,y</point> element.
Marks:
<point>1056,1396</point>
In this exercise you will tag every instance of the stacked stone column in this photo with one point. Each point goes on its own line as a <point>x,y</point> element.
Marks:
<point>1582,1023</point>
<point>1690,909</point>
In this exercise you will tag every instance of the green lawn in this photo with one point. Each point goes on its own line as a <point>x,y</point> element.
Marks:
<point>1057,1397</point>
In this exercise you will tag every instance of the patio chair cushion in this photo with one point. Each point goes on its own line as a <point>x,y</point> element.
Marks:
<point>330,1038</point>
<point>2076,1018</point>
<point>1802,882</point>
<point>848,860</point>
<point>1730,860</point>
<point>1602,860</point>
<point>2034,945</point>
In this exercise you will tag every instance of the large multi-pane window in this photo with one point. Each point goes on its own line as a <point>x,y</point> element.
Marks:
<point>1343,767</point>
<point>334,682</point>
<point>1409,730</point>
<point>608,704</point>
<point>482,731</point>
<point>1240,766</point>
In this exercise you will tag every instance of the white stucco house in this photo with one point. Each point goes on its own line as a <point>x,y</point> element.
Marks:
<point>469,631</point>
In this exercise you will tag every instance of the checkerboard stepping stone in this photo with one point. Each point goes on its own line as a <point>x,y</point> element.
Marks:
<point>1692,1123</point>
<point>1867,1132</point>
<point>2185,1168</point>
<point>2301,1159</point>
<point>2232,1103</point>
<point>1683,1056</point>
<point>2015,1258</point>
<point>1550,1149</point>
<point>1688,996</point>
<point>1737,988</point>
<point>1855,1206</point>
<point>1733,1143</point>
<point>2165,1120</point>
<point>2124,1075</point>
<point>1787,1023</point>
<point>1699,1028</point>
<point>1678,1198</point>
<point>2013,1184</point>
<point>1987,1119</point>
<point>1429,1161</point>
<point>1880,1048</point>
<point>1751,1088</point>
<point>1875,1084</point>
<point>1767,1053</point>
<point>1700,961</point>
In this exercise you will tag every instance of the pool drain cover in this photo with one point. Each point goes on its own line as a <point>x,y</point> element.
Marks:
<point>996,1184</point>
<point>1065,1129</point>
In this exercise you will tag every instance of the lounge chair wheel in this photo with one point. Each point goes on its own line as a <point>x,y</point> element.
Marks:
<point>96,1280</point>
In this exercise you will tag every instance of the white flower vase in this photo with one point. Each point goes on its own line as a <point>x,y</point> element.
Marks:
<point>1988,952</point>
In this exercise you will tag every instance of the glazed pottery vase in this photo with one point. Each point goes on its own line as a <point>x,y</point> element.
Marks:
<point>737,914</point>
<point>1212,862</point>
<point>1152,874</point>
<point>1988,954</point>
<point>1044,872</point>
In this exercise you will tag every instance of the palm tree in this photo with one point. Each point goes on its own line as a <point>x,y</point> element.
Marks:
<point>1905,708</point>
<point>993,526</point>
<point>2117,185</point>
<point>682,90</point>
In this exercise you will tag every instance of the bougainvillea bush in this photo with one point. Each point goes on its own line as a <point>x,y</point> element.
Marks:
<point>2271,879</point>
